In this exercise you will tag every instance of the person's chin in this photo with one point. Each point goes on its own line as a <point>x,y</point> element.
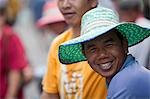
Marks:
<point>108,73</point>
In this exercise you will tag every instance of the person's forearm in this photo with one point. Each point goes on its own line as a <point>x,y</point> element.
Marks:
<point>14,82</point>
<point>49,96</point>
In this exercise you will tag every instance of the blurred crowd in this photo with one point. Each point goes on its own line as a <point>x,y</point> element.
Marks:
<point>27,29</point>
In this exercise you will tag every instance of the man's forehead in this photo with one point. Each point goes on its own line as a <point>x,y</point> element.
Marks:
<point>107,35</point>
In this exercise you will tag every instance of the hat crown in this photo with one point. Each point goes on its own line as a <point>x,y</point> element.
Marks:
<point>98,18</point>
<point>51,9</point>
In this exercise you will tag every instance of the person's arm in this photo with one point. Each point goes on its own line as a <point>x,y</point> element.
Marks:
<point>46,95</point>
<point>17,62</point>
<point>49,82</point>
<point>14,82</point>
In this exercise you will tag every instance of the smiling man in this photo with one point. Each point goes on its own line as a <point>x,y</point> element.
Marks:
<point>106,53</point>
<point>104,44</point>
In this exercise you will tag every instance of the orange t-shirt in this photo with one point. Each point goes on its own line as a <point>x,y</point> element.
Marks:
<point>74,81</point>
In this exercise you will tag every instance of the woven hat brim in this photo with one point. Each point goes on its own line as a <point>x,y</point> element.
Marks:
<point>70,51</point>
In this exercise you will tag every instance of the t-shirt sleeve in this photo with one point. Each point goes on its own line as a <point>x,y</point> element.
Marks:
<point>50,80</point>
<point>17,58</point>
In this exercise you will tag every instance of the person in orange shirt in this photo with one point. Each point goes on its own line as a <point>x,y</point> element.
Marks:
<point>78,80</point>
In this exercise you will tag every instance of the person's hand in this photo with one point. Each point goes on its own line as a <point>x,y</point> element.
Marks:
<point>10,97</point>
<point>27,74</point>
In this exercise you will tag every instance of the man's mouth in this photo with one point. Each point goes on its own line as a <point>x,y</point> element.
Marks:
<point>68,15</point>
<point>106,66</point>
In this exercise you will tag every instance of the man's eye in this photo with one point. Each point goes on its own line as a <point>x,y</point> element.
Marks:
<point>92,50</point>
<point>109,44</point>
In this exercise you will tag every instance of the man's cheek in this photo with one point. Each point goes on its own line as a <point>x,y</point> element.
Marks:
<point>91,61</point>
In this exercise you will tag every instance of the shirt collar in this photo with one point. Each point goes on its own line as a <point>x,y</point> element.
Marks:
<point>129,60</point>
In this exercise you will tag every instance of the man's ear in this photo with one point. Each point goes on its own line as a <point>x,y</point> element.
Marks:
<point>125,45</point>
<point>93,3</point>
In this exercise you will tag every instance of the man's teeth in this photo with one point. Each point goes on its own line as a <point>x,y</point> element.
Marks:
<point>106,65</point>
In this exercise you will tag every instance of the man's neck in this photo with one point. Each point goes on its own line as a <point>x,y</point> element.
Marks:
<point>110,78</point>
<point>76,31</point>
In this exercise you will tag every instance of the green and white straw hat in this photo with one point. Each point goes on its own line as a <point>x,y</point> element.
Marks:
<point>94,23</point>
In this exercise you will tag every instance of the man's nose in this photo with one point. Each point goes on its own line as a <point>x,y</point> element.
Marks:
<point>102,53</point>
<point>66,4</point>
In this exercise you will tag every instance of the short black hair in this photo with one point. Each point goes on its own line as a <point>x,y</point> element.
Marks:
<point>2,11</point>
<point>120,36</point>
<point>137,5</point>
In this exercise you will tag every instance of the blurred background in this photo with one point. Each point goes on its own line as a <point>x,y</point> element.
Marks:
<point>36,23</point>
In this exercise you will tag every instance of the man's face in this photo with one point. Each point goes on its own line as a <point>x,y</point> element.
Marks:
<point>106,53</point>
<point>73,10</point>
<point>127,15</point>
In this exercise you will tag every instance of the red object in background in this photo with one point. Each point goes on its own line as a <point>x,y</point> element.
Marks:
<point>12,56</point>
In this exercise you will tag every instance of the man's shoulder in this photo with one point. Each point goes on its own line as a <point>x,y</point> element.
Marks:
<point>132,74</point>
<point>133,80</point>
<point>138,77</point>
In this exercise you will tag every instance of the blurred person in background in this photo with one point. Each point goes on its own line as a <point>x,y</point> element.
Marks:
<point>14,67</point>
<point>52,23</point>
<point>78,80</point>
<point>146,5</point>
<point>132,11</point>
